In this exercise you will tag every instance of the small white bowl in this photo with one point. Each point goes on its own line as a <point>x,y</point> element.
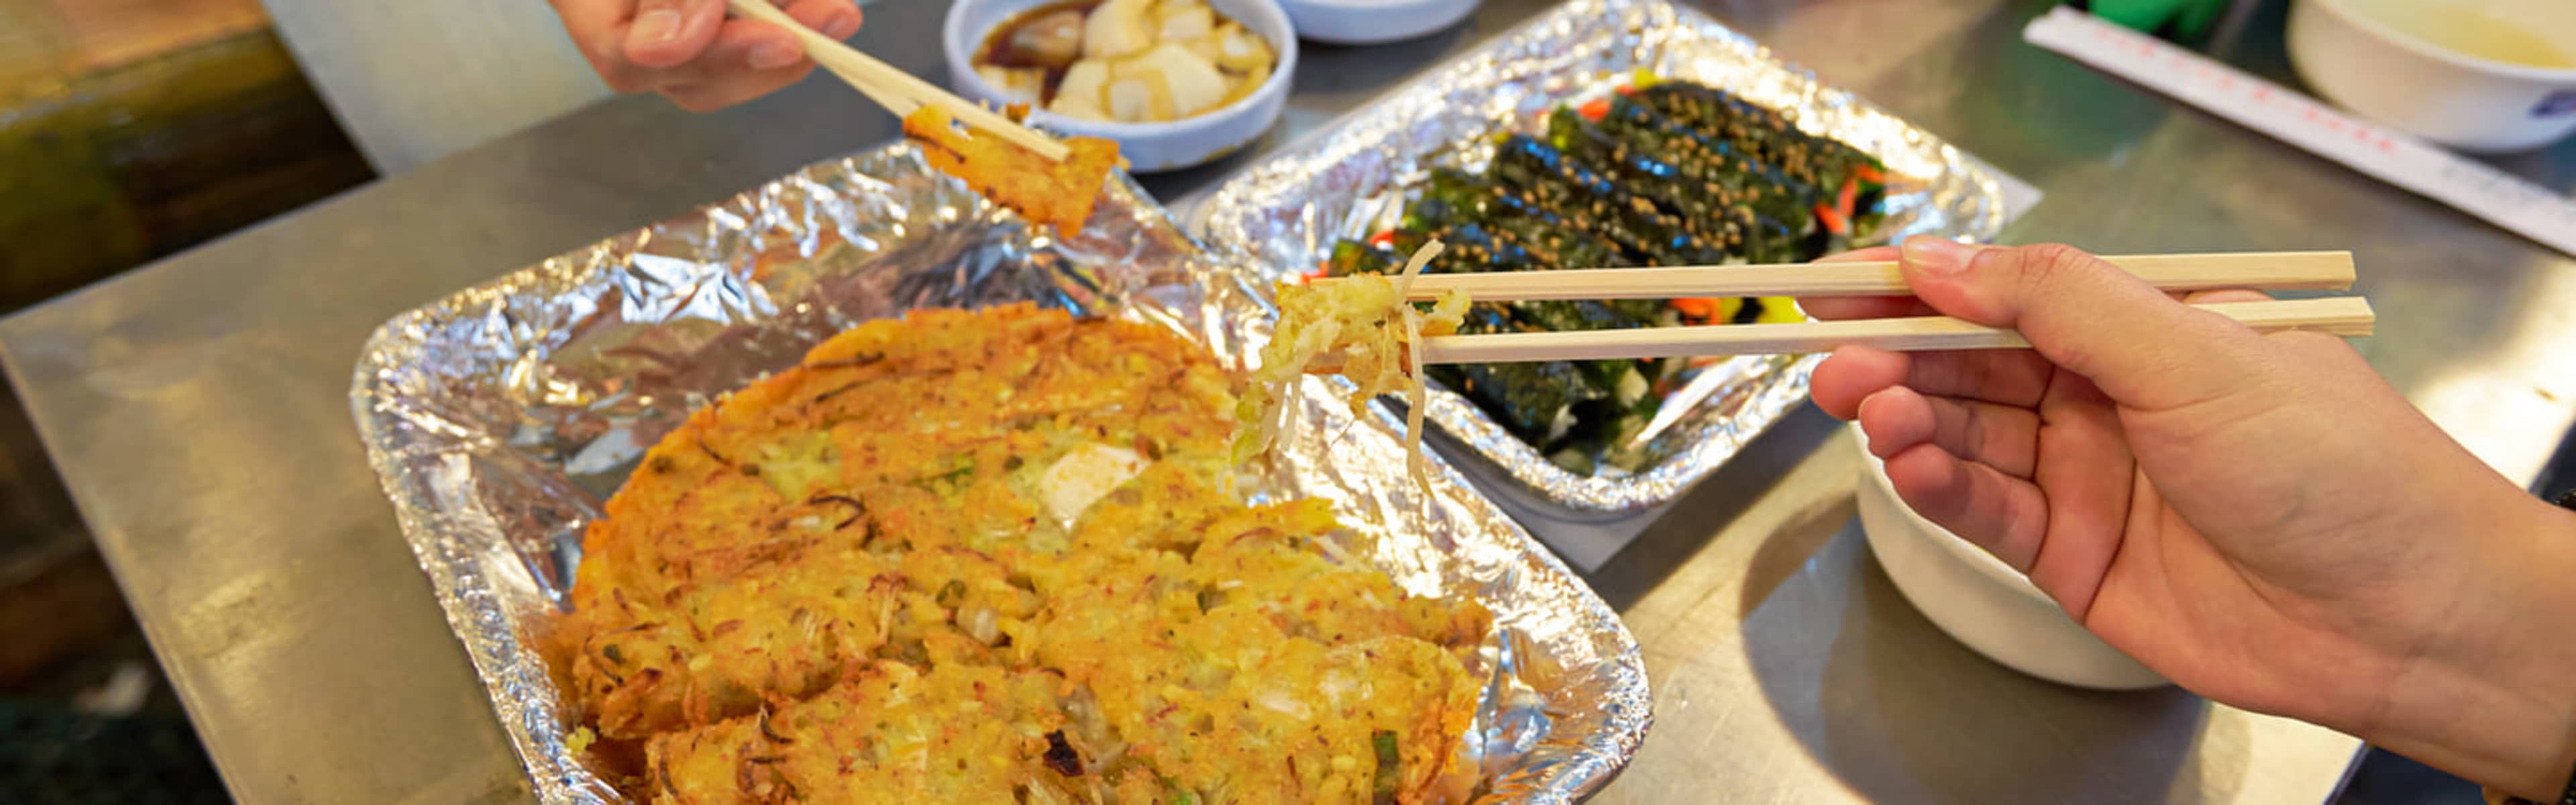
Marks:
<point>1148,147</point>
<point>2441,95</point>
<point>1370,22</point>
<point>1978,599</point>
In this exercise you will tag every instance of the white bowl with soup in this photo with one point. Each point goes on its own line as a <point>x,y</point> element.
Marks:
<point>2479,75</point>
<point>1176,83</point>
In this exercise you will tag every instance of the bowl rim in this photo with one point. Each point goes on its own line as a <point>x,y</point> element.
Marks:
<point>1383,4</point>
<point>2409,42</point>
<point>960,45</point>
<point>1958,547</point>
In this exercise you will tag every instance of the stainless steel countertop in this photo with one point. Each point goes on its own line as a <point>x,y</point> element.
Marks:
<point>196,409</point>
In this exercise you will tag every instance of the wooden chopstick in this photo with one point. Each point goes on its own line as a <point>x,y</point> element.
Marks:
<point>2171,272</point>
<point>899,92</point>
<point>2348,316</point>
<point>899,106</point>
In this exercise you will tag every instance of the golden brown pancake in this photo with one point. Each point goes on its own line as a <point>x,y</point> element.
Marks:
<point>980,556</point>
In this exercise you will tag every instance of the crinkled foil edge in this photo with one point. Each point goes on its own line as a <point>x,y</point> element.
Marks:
<point>498,418</point>
<point>1349,178</point>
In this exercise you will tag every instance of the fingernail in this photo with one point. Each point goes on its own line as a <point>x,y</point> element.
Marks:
<point>655,27</point>
<point>1862,410</point>
<point>775,55</point>
<point>842,25</point>
<point>1938,256</point>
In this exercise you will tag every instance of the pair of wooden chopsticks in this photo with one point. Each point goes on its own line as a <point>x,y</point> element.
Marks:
<point>899,92</point>
<point>2343,316</point>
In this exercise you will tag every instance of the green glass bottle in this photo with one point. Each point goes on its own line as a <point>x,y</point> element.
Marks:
<point>2177,19</point>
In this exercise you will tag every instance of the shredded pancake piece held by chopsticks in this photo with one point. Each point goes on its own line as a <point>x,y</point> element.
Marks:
<point>1359,327</point>
<point>1058,194</point>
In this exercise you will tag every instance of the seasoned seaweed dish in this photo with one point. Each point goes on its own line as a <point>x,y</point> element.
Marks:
<point>1659,173</point>
<point>997,557</point>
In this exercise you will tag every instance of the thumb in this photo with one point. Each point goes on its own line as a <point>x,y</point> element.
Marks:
<point>667,33</point>
<point>2138,345</point>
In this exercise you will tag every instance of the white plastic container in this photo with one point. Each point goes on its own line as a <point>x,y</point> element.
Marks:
<point>1148,147</point>
<point>1978,599</point>
<point>2405,81</point>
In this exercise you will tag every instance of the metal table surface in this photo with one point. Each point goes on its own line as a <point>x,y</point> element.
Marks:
<point>196,409</point>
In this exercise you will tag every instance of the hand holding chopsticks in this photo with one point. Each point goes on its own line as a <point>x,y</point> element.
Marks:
<point>899,92</point>
<point>2342,316</point>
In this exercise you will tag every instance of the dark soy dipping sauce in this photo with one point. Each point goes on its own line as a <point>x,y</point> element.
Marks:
<point>1006,46</point>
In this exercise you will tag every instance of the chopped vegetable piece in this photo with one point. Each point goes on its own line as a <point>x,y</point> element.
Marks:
<point>1117,28</point>
<point>1176,795</point>
<point>1077,107</point>
<point>1193,84</point>
<point>1180,21</point>
<point>1244,85</point>
<point>1390,768</point>
<point>1088,80</point>
<point>1243,50</point>
<point>1138,100</point>
<point>1049,41</point>
<point>1020,85</point>
<point>1834,221</point>
<point>1210,45</point>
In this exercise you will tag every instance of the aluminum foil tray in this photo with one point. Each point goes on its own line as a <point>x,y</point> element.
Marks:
<point>1353,178</point>
<point>500,418</point>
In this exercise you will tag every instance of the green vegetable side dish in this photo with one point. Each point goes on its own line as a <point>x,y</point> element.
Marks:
<point>1659,173</point>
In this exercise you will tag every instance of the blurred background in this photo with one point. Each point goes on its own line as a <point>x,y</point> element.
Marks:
<point>134,129</point>
<point>129,130</point>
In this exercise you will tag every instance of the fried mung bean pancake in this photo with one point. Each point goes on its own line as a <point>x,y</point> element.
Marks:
<point>995,556</point>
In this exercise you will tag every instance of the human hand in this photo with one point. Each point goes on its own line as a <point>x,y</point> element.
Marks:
<point>2258,517</point>
<point>688,51</point>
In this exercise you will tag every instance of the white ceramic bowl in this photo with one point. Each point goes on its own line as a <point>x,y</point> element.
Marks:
<point>1370,22</point>
<point>1980,600</point>
<point>2438,94</point>
<point>1148,147</point>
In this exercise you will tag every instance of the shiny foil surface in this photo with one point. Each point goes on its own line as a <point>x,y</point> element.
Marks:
<point>500,418</point>
<point>1354,177</point>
